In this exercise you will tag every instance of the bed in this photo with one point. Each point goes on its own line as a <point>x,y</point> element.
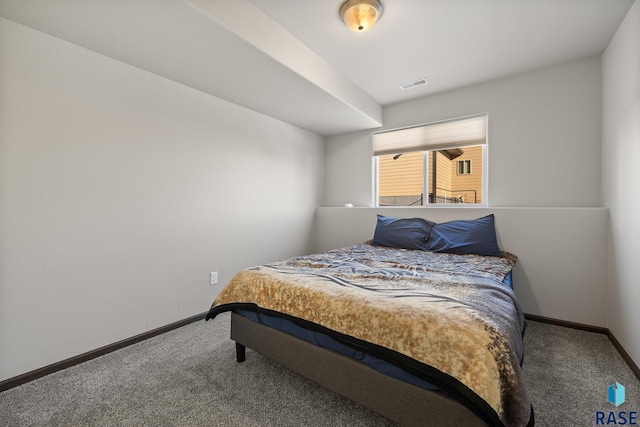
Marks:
<point>420,324</point>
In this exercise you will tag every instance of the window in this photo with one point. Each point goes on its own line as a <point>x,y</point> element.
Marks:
<point>431,164</point>
<point>464,167</point>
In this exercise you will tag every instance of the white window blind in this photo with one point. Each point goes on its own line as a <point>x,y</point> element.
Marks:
<point>436,136</point>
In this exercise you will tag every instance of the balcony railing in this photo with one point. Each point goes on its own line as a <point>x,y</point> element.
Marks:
<point>445,196</point>
<point>452,196</point>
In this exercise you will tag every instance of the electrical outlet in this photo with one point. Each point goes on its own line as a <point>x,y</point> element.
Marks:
<point>213,278</point>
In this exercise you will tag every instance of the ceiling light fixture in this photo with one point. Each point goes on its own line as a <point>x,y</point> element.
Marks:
<point>360,15</point>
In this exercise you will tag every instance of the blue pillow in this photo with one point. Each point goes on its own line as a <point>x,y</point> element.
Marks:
<point>405,233</point>
<point>477,236</point>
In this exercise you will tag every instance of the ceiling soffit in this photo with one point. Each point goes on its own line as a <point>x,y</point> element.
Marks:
<point>231,50</point>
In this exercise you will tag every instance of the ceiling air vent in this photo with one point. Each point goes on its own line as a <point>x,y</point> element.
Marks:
<point>411,85</point>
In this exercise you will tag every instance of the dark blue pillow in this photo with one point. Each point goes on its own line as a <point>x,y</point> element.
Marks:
<point>405,233</point>
<point>477,236</point>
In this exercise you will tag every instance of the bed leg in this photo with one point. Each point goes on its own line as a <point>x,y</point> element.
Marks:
<point>240,352</point>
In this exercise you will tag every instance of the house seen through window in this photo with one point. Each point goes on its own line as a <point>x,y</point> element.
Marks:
<point>432,164</point>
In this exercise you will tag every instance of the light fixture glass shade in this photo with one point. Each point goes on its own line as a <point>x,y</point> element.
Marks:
<point>360,15</point>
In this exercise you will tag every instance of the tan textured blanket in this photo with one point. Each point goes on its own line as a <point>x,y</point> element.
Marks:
<point>450,312</point>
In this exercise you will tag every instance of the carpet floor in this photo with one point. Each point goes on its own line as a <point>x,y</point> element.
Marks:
<point>189,377</point>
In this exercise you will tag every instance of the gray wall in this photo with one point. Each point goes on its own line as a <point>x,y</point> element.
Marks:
<point>120,191</point>
<point>544,138</point>
<point>621,176</point>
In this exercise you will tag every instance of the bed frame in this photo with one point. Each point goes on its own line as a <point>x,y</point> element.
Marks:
<point>401,402</point>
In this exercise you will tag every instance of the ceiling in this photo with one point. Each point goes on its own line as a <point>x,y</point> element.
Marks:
<point>296,61</point>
